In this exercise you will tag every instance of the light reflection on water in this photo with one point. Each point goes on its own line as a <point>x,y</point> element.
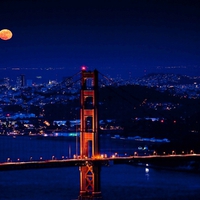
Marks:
<point>118,181</point>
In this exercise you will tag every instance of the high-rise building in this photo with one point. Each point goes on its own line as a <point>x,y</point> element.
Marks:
<point>21,82</point>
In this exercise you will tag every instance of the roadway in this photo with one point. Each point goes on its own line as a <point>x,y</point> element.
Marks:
<point>169,160</point>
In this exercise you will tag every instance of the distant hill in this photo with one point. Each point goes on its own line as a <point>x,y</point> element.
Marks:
<point>169,78</point>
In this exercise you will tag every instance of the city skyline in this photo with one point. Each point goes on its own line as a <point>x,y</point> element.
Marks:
<point>42,75</point>
<point>133,37</point>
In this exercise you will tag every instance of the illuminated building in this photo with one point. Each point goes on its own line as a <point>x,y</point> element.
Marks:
<point>21,81</point>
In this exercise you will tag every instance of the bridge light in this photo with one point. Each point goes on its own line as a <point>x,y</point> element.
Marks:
<point>18,159</point>
<point>31,158</point>
<point>41,158</point>
<point>83,68</point>
<point>8,159</point>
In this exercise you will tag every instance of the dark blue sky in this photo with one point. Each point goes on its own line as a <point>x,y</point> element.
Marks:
<point>115,37</point>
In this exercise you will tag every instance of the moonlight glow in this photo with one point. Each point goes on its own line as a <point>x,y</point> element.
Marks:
<point>5,34</point>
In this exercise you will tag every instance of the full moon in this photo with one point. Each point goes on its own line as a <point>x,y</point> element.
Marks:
<point>5,34</point>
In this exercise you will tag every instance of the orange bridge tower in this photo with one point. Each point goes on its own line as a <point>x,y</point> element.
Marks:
<point>89,136</point>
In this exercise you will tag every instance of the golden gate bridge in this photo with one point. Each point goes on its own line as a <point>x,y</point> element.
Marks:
<point>89,160</point>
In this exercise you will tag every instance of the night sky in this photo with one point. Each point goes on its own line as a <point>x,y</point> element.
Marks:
<point>118,37</point>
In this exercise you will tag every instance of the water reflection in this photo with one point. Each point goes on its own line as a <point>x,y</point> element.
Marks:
<point>117,182</point>
<point>147,173</point>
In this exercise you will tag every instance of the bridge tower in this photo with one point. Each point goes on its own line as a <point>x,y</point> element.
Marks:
<point>89,136</point>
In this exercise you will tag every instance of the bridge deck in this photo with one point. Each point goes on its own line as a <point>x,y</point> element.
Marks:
<point>171,160</point>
